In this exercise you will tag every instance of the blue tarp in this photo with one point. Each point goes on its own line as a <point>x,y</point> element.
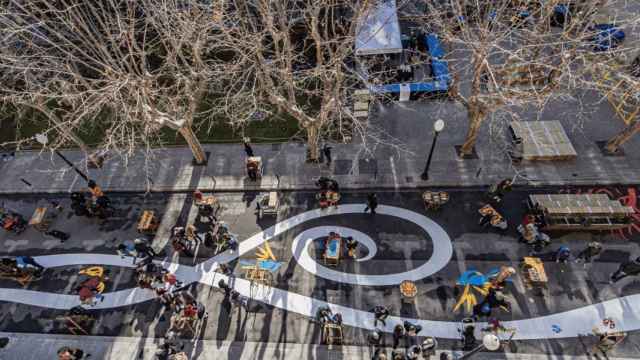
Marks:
<point>433,44</point>
<point>608,37</point>
<point>439,67</point>
<point>440,70</point>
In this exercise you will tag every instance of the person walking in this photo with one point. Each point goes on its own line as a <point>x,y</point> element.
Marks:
<point>626,269</point>
<point>326,151</point>
<point>143,248</point>
<point>372,203</point>
<point>380,313</point>
<point>586,256</point>
<point>247,147</point>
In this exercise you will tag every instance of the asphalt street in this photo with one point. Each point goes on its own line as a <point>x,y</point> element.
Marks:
<point>401,246</point>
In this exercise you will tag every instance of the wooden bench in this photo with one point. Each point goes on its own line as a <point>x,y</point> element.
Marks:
<point>259,276</point>
<point>433,200</point>
<point>332,334</point>
<point>39,220</point>
<point>268,204</point>
<point>148,223</point>
<point>534,274</point>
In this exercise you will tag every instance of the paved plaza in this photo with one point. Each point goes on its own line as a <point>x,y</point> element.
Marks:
<point>402,242</point>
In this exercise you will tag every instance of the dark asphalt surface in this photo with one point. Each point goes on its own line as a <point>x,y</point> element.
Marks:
<point>401,247</point>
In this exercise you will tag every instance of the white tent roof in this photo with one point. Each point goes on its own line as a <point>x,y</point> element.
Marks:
<point>379,32</point>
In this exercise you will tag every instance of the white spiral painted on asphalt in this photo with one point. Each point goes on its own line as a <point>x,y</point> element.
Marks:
<point>442,251</point>
<point>625,310</point>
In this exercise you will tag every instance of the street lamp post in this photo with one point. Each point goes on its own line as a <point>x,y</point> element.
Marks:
<point>42,139</point>
<point>437,127</point>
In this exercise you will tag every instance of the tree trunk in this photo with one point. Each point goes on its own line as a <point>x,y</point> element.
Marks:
<point>313,143</point>
<point>196,148</point>
<point>614,143</point>
<point>475,120</point>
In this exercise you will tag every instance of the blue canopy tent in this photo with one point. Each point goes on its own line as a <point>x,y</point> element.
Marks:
<point>439,69</point>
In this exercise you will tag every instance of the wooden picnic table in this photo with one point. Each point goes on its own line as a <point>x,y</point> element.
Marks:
<point>434,199</point>
<point>580,211</point>
<point>148,223</point>
<point>39,220</point>
<point>332,251</point>
<point>534,274</point>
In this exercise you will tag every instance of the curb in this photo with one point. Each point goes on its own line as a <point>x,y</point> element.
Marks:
<point>288,187</point>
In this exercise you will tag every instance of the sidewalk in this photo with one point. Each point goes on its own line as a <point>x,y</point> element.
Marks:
<point>394,154</point>
<point>37,347</point>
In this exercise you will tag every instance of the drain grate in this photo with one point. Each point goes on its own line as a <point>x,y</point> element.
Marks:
<point>342,167</point>
<point>368,167</point>
<point>409,179</point>
<point>276,147</point>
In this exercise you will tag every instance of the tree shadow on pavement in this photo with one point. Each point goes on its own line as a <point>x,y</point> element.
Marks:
<point>224,321</point>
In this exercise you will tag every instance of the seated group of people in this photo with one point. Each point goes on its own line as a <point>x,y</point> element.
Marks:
<point>20,266</point>
<point>350,243</point>
<point>530,233</point>
<point>138,249</point>
<point>91,285</point>
<point>184,240</point>
<point>326,316</point>
<point>186,310</point>
<point>99,205</point>
<point>329,194</point>
<point>220,237</point>
<point>156,278</point>
<point>206,207</point>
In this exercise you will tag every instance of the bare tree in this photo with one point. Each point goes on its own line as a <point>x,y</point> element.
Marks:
<point>292,56</point>
<point>516,53</point>
<point>130,67</point>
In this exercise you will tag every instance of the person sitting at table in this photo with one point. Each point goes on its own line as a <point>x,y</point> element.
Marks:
<point>206,213</point>
<point>225,242</point>
<point>332,236</point>
<point>352,245</point>
<point>94,190</point>
<point>29,265</point>
<point>325,183</point>
<point>180,242</point>
<point>502,276</point>
<point>411,329</point>
<point>9,267</point>
<point>332,198</point>
<point>89,290</point>
<point>326,316</point>
<point>323,200</point>
<point>198,196</point>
